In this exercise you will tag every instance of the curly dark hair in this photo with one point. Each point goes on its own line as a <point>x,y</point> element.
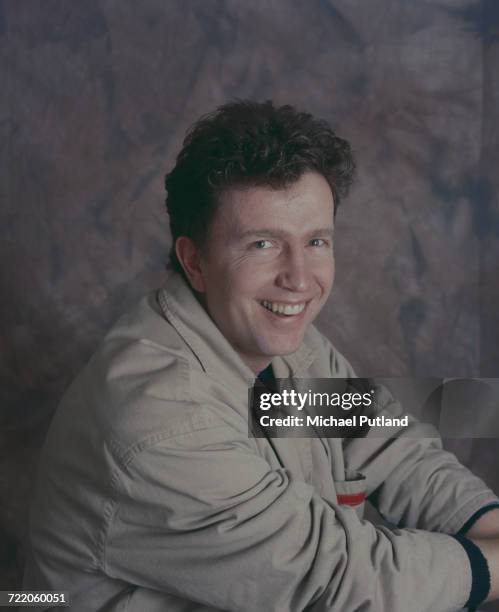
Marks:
<point>246,143</point>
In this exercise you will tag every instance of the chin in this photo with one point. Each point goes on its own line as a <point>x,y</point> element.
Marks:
<point>282,349</point>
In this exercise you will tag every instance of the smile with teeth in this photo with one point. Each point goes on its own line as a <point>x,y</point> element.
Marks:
<point>284,309</point>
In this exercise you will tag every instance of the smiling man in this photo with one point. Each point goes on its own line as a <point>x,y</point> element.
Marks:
<point>269,267</point>
<point>151,495</point>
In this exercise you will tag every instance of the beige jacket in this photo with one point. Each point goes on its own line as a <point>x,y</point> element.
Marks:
<point>152,497</point>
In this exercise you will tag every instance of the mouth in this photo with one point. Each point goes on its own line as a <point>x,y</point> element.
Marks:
<point>282,309</point>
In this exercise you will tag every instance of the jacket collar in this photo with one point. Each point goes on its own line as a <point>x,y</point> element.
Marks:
<point>212,350</point>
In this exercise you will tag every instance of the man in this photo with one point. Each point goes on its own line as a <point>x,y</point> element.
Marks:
<point>151,494</point>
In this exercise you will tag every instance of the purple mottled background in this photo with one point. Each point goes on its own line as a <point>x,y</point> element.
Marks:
<point>95,98</point>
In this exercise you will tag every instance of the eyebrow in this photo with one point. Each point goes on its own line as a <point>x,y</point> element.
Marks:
<point>277,233</point>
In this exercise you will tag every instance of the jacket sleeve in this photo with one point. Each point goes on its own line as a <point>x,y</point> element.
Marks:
<point>412,481</point>
<point>202,515</point>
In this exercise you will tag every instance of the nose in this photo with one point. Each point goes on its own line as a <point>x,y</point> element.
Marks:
<point>295,274</point>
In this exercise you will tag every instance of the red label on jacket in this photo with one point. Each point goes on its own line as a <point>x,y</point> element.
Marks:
<point>351,499</point>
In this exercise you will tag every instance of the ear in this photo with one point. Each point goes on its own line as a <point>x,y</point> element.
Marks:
<point>189,257</point>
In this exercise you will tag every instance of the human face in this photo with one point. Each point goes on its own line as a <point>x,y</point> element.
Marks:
<point>268,267</point>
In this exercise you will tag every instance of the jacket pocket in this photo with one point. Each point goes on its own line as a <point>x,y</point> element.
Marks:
<point>352,492</point>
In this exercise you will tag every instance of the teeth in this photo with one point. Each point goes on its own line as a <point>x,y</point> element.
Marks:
<point>285,309</point>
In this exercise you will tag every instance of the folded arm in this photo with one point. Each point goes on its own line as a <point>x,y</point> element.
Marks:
<point>204,516</point>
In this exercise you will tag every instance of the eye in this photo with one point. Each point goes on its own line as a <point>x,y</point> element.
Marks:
<point>317,242</point>
<point>262,244</point>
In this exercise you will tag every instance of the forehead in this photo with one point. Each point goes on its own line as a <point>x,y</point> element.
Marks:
<point>306,203</point>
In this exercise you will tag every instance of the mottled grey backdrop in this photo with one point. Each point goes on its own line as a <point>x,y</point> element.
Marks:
<point>95,97</point>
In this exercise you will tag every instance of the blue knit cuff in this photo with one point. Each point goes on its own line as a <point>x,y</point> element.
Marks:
<point>471,521</point>
<point>480,582</point>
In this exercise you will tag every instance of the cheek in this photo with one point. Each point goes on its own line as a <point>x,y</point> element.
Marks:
<point>332,272</point>
<point>324,272</point>
<point>252,277</point>
<point>235,288</point>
